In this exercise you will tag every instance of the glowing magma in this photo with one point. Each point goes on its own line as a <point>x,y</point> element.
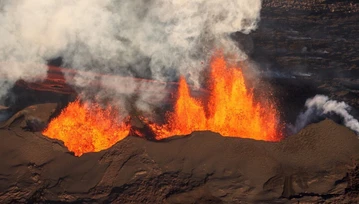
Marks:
<point>87,128</point>
<point>230,109</point>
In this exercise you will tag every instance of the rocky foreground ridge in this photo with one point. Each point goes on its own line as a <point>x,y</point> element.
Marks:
<point>317,164</point>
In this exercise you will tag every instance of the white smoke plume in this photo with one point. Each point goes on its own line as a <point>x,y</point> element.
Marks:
<point>165,38</point>
<point>321,105</point>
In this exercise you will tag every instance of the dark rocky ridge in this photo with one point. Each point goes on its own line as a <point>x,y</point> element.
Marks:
<point>201,168</point>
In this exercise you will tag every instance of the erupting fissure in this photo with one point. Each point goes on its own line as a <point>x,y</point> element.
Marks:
<point>229,110</point>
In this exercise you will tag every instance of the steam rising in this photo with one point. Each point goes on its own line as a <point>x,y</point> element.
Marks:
<point>320,105</point>
<point>156,38</point>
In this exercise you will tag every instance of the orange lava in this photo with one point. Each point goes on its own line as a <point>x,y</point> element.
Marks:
<point>230,109</point>
<point>87,128</point>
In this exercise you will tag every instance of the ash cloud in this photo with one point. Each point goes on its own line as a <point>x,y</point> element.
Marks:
<point>160,39</point>
<point>320,106</point>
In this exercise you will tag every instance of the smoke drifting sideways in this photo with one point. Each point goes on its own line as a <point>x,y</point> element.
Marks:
<point>321,106</point>
<point>160,38</point>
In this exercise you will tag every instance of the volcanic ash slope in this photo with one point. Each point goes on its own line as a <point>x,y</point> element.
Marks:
<point>201,168</point>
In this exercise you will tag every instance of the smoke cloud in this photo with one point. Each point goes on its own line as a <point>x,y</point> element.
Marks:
<point>320,105</point>
<point>157,39</point>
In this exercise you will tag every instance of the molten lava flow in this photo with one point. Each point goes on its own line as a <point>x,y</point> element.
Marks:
<point>230,109</point>
<point>87,128</point>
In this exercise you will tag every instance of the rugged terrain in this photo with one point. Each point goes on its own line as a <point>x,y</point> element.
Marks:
<point>203,167</point>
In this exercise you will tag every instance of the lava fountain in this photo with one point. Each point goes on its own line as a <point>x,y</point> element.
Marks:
<point>85,127</point>
<point>230,109</point>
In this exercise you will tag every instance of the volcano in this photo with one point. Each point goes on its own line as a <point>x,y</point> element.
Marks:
<point>224,142</point>
<point>317,164</point>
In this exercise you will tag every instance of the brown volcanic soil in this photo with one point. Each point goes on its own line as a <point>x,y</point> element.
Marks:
<point>200,168</point>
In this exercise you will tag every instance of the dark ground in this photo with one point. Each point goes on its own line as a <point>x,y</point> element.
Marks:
<point>316,165</point>
<point>314,41</point>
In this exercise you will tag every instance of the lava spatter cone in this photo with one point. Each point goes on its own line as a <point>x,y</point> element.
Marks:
<point>86,127</point>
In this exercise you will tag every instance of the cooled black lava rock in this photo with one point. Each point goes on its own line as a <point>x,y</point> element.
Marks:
<point>310,47</point>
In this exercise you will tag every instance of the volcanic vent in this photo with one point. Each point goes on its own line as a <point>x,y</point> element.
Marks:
<point>228,107</point>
